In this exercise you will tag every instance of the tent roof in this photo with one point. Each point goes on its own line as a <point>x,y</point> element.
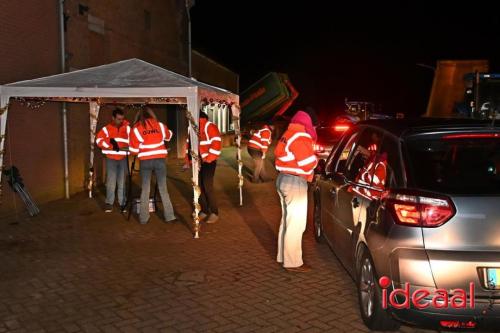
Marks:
<point>131,73</point>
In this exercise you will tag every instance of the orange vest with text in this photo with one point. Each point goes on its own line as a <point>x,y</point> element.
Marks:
<point>147,141</point>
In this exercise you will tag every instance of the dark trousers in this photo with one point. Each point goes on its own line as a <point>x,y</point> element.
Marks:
<point>207,198</point>
<point>259,172</point>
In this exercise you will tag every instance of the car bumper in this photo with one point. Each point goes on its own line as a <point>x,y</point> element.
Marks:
<point>484,316</point>
<point>412,266</point>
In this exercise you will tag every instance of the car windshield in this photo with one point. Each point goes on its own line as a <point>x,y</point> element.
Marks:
<point>465,164</point>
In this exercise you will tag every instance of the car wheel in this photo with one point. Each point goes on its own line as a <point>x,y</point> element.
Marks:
<point>374,315</point>
<point>318,227</point>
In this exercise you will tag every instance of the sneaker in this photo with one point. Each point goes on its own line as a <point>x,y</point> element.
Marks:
<point>202,216</point>
<point>108,208</point>
<point>124,209</point>
<point>212,218</point>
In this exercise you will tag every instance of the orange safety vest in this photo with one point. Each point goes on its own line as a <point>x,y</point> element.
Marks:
<point>294,153</point>
<point>120,134</point>
<point>210,141</point>
<point>148,141</point>
<point>261,139</point>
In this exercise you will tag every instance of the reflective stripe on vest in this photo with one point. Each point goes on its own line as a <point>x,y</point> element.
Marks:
<point>290,157</point>
<point>153,152</point>
<point>114,152</point>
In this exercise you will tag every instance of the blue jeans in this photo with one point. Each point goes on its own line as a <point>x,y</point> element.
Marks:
<point>158,166</point>
<point>115,180</point>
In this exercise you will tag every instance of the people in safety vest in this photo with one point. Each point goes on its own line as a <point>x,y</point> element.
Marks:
<point>257,148</point>
<point>210,149</point>
<point>295,160</point>
<point>372,175</point>
<point>113,139</point>
<point>149,140</point>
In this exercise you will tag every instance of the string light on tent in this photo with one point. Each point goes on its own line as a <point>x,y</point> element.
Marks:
<point>31,103</point>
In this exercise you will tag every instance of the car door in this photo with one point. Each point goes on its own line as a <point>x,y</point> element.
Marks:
<point>390,175</point>
<point>353,193</point>
<point>331,182</point>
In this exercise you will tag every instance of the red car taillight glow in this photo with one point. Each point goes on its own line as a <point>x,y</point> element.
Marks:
<point>419,209</point>
<point>318,148</point>
<point>341,127</point>
<point>472,136</point>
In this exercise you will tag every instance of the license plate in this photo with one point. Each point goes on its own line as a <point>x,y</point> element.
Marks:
<point>493,278</point>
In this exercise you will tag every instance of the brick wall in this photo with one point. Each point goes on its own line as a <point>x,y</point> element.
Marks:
<point>100,32</point>
<point>208,71</point>
<point>29,48</point>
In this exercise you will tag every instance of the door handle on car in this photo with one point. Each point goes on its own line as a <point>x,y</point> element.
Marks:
<point>355,202</point>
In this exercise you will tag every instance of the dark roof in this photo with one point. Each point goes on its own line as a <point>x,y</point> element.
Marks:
<point>401,127</point>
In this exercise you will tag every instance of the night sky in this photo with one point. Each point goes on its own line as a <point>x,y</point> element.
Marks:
<point>333,52</point>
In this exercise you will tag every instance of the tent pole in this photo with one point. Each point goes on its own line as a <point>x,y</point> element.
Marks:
<point>65,148</point>
<point>94,114</point>
<point>235,110</point>
<point>4,107</point>
<point>192,114</point>
<point>64,110</point>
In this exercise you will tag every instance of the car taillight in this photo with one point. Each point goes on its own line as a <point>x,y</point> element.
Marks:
<point>341,127</point>
<point>472,136</point>
<point>419,209</point>
<point>318,148</point>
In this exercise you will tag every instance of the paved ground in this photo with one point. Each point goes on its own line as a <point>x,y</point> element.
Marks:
<point>74,269</point>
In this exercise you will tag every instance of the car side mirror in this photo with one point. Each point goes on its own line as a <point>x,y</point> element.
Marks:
<point>321,167</point>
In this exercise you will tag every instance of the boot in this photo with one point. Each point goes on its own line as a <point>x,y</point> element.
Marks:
<point>212,218</point>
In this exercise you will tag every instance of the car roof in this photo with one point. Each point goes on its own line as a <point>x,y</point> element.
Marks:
<point>404,127</point>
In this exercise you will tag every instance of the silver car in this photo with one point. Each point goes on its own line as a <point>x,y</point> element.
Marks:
<point>412,210</point>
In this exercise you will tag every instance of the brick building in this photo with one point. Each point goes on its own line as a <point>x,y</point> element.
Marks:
<point>96,32</point>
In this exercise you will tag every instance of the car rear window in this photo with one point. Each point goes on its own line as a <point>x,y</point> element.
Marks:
<point>464,164</point>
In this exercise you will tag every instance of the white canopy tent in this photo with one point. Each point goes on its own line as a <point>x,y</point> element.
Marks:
<point>128,82</point>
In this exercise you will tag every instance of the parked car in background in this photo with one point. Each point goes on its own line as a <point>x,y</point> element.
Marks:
<point>329,135</point>
<point>417,202</point>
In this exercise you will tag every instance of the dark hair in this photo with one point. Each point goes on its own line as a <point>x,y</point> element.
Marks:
<point>203,115</point>
<point>144,114</point>
<point>117,111</point>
